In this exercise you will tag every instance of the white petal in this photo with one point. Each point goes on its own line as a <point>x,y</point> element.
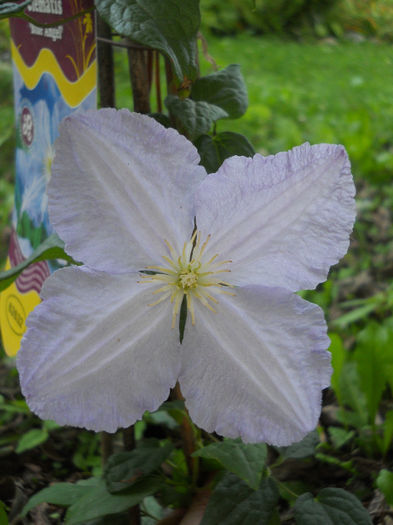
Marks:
<point>121,184</point>
<point>256,368</point>
<point>283,220</point>
<point>95,355</point>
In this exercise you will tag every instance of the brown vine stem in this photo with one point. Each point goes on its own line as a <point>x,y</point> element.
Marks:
<point>134,513</point>
<point>138,62</point>
<point>106,91</point>
<point>205,51</point>
<point>106,81</point>
<point>157,80</point>
<point>188,439</point>
<point>106,447</point>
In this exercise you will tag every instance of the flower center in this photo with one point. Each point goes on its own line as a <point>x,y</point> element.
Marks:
<point>188,279</point>
<point>189,274</point>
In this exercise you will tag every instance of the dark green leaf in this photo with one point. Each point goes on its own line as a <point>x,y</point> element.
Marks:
<point>160,417</point>
<point>387,431</point>
<point>303,449</point>
<point>98,502</point>
<point>31,439</point>
<point>193,118</point>
<point>352,394</point>
<point>357,314</point>
<point>175,409</point>
<point>125,469</point>
<point>3,514</point>
<point>373,355</point>
<point>339,356</point>
<point>385,484</point>
<point>225,89</point>
<point>214,150</point>
<point>51,248</point>
<point>233,502</point>
<point>114,519</point>
<point>170,27</point>
<point>351,418</point>
<point>331,507</point>
<point>162,119</point>
<point>63,494</point>
<point>340,436</point>
<point>11,8</point>
<point>245,460</point>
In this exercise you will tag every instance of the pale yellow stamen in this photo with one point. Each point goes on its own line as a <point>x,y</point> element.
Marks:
<point>188,275</point>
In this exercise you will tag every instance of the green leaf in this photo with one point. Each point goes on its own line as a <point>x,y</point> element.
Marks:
<point>3,514</point>
<point>355,315</point>
<point>161,118</point>
<point>340,436</point>
<point>233,502</point>
<point>170,26</point>
<point>331,507</point>
<point>385,484</point>
<point>302,449</point>
<point>353,419</point>
<point>225,89</point>
<point>17,406</point>
<point>387,431</point>
<point>245,460</point>
<point>98,502</point>
<point>31,439</point>
<point>11,8</point>
<point>339,356</point>
<point>214,150</point>
<point>62,494</point>
<point>51,248</point>
<point>351,392</point>
<point>373,354</point>
<point>125,469</point>
<point>160,417</point>
<point>193,118</point>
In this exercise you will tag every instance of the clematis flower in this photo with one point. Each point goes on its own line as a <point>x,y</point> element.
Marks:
<point>130,200</point>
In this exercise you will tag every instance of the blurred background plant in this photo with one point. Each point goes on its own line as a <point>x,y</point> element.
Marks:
<point>301,18</point>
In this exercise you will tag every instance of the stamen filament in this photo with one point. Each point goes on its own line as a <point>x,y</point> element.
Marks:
<point>168,260</point>
<point>159,300</point>
<point>160,269</point>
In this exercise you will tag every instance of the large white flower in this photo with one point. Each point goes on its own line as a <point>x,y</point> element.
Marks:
<point>130,200</point>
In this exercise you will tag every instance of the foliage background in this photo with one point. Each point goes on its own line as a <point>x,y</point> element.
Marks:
<point>301,18</point>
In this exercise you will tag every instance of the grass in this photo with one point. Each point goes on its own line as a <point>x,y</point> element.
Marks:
<point>317,92</point>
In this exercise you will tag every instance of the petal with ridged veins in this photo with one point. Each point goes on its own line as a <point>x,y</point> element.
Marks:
<point>284,219</point>
<point>121,184</point>
<point>94,356</point>
<point>257,367</point>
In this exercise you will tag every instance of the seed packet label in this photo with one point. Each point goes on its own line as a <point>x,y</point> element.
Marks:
<point>54,74</point>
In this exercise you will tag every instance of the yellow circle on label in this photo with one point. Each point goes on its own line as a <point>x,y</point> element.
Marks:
<point>15,314</point>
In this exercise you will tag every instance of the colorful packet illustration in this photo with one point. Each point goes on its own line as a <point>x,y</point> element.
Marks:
<point>54,74</point>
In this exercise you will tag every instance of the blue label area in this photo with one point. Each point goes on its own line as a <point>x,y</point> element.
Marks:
<point>38,113</point>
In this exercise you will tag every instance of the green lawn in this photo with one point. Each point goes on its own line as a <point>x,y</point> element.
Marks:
<point>317,92</point>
